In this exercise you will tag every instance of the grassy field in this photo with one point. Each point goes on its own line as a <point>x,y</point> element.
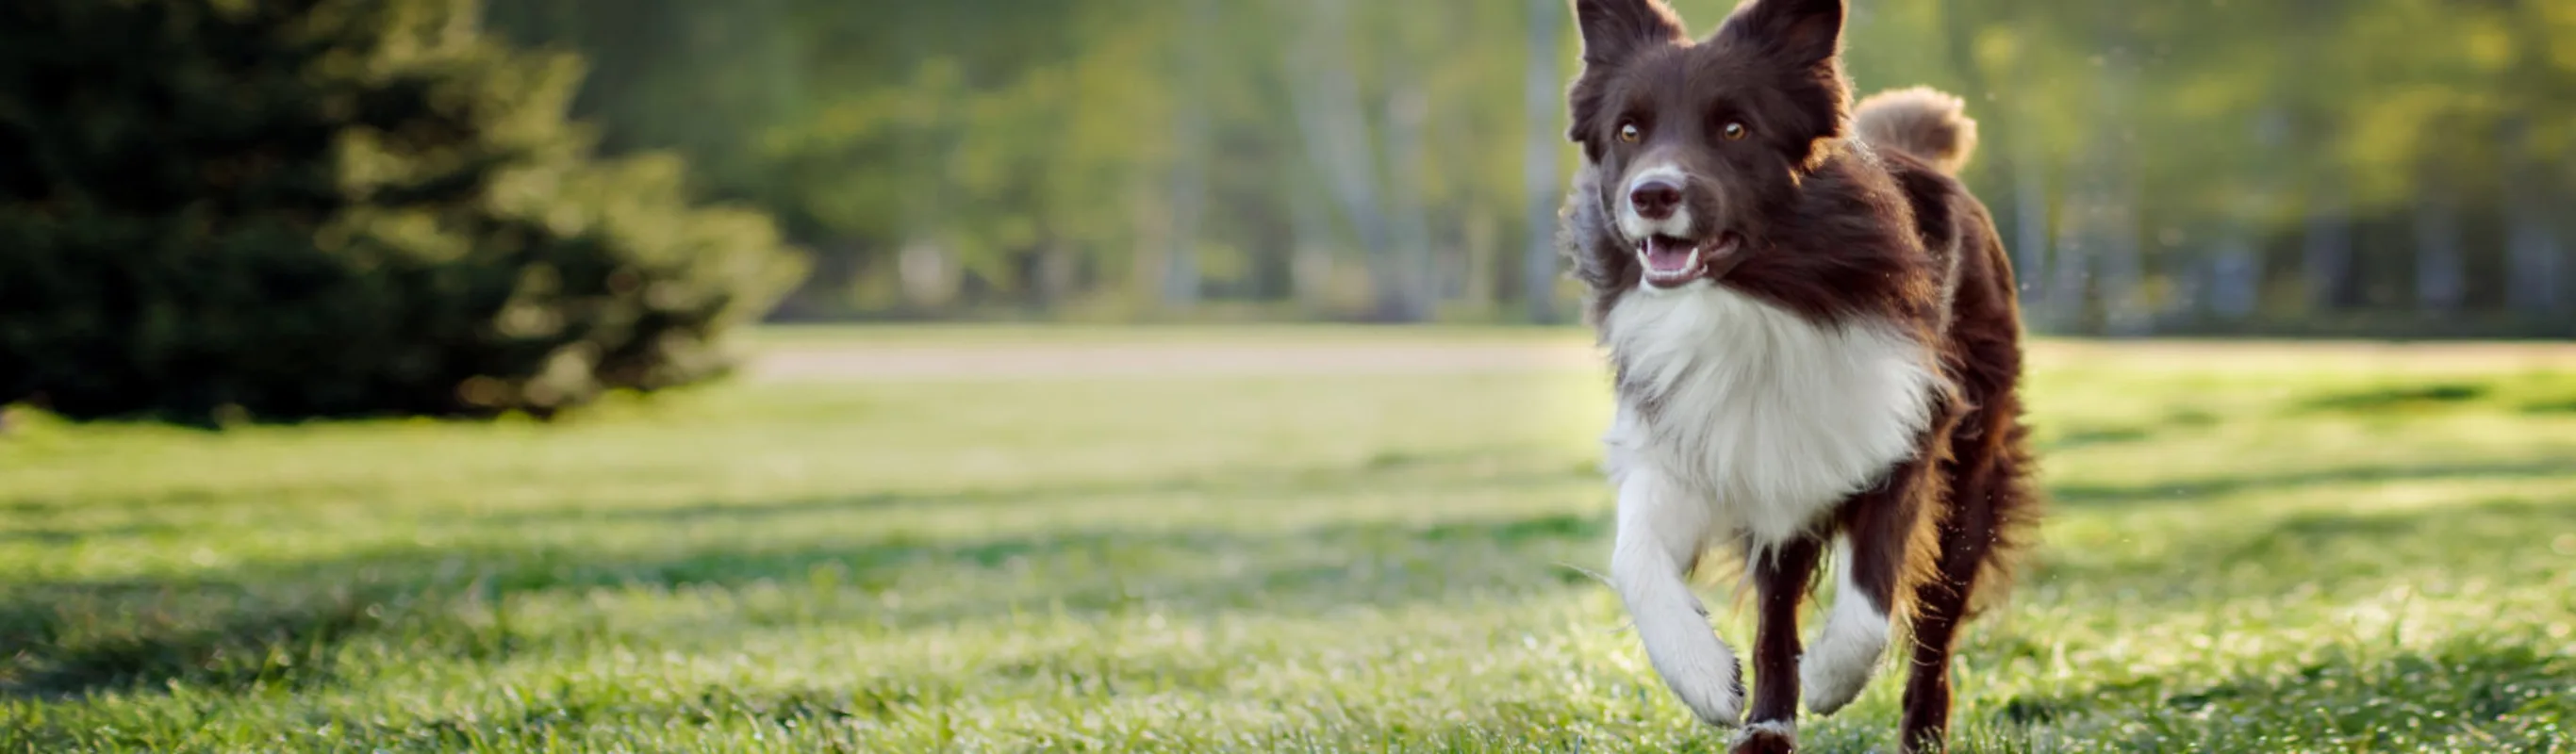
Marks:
<point>2264,548</point>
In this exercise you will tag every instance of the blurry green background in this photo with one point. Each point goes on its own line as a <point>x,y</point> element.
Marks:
<point>2355,167</point>
<point>219,209</point>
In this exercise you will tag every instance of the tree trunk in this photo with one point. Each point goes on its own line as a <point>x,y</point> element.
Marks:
<point>1542,185</point>
<point>2235,275</point>
<point>1189,162</point>
<point>2098,231</point>
<point>2070,268</point>
<point>1326,102</point>
<point>2532,249</point>
<point>2186,284</point>
<point>1188,185</point>
<point>1406,294</point>
<point>2440,283</point>
<point>2030,214</point>
<point>2236,265</point>
<point>1477,255</point>
<point>1053,274</point>
<point>2125,312</point>
<point>927,273</point>
<point>1310,267</point>
<point>2326,251</point>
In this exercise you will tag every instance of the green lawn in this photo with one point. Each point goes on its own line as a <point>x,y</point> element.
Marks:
<point>2252,550</point>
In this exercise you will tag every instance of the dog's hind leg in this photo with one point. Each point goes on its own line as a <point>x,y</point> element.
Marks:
<point>1662,534</point>
<point>1989,504</point>
<point>1941,605</point>
<point>1780,577</point>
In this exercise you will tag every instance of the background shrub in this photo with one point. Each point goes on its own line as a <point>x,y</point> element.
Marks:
<point>307,208</point>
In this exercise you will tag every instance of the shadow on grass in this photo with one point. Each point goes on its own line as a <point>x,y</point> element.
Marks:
<point>58,536</point>
<point>2091,436</point>
<point>2502,694</point>
<point>2398,398</point>
<point>2336,552</point>
<point>282,624</point>
<point>2079,435</point>
<point>2152,492</point>
<point>845,717</point>
<point>258,494</point>
<point>1373,473</point>
<point>61,640</point>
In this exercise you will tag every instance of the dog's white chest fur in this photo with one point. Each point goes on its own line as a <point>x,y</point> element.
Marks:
<point>1760,415</point>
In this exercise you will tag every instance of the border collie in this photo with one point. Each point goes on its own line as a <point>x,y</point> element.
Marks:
<point>1816,347</point>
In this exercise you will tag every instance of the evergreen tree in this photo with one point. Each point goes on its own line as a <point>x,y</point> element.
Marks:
<point>301,208</point>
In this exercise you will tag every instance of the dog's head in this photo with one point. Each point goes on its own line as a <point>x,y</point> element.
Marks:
<point>1693,145</point>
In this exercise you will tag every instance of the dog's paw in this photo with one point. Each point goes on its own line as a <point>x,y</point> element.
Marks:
<point>1838,669</point>
<point>1827,690</point>
<point>1766,738</point>
<point>1711,691</point>
<point>1716,699</point>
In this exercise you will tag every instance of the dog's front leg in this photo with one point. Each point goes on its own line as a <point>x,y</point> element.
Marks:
<point>1780,577</point>
<point>1661,535</point>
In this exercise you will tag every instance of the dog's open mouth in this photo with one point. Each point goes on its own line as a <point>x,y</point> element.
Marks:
<point>1670,261</point>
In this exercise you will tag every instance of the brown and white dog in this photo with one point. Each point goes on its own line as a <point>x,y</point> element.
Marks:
<point>1817,346</point>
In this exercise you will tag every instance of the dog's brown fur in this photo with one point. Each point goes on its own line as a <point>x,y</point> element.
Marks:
<point>1846,215</point>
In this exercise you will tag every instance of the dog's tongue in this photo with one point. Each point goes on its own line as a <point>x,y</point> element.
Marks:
<point>1668,256</point>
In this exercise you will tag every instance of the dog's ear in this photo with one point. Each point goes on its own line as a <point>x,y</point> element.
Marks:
<point>1613,31</point>
<point>1806,33</point>
<point>1616,29</point>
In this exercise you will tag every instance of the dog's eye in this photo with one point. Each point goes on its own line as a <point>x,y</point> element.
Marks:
<point>1628,132</point>
<point>1734,131</point>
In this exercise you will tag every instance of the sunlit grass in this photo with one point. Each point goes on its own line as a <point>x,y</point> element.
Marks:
<point>2248,553</point>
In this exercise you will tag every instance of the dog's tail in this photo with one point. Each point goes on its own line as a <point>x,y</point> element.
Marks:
<point>1919,121</point>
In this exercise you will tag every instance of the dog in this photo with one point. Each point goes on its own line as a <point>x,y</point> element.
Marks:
<point>1816,346</point>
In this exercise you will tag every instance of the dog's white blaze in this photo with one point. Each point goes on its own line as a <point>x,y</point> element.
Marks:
<point>1637,226</point>
<point>1840,663</point>
<point>1766,419</point>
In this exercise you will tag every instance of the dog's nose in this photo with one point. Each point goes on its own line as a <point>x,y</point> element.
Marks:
<point>1655,199</point>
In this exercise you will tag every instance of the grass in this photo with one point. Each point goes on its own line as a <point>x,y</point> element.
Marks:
<point>2353,550</point>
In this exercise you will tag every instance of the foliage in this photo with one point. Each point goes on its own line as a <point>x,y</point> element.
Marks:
<point>2257,548</point>
<point>294,208</point>
<point>2217,167</point>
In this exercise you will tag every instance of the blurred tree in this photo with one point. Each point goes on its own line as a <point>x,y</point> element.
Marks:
<point>296,208</point>
<point>1189,183</point>
<point>2217,167</point>
<point>1541,182</point>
